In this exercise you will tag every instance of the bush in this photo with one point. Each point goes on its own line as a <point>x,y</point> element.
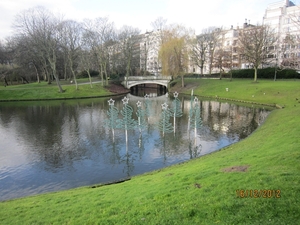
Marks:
<point>114,76</point>
<point>266,73</point>
<point>213,75</point>
<point>84,74</point>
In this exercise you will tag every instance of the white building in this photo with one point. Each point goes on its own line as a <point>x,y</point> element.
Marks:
<point>284,17</point>
<point>149,48</point>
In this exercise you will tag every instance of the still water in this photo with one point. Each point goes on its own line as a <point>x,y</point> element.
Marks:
<point>53,146</point>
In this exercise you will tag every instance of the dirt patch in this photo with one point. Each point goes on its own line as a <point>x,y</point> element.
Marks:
<point>117,88</point>
<point>196,185</point>
<point>236,169</point>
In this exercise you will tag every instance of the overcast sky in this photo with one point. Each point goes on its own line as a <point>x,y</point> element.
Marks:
<point>196,14</point>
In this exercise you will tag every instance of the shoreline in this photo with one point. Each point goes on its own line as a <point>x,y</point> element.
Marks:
<point>199,190</point>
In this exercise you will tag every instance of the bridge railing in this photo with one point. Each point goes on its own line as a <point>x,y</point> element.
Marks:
<point>147,78</point>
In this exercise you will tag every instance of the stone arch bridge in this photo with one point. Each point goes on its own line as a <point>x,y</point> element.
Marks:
<point>131,81</point>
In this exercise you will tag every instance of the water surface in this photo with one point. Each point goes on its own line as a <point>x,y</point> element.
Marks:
<point>65,144</point>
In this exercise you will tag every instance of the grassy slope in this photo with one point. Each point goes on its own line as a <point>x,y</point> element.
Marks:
<point>46,91</point>
<point>196,192</point>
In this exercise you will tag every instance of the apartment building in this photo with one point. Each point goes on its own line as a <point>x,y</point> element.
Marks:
<point>284,17</point>
<point>221,51</point>
<point>149,48</point>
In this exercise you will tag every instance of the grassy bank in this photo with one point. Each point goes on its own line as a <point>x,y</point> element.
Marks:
<point>41,91</point>
<point>203,190</point>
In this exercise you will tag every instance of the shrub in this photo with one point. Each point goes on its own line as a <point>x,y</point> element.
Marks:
<point>266,73</point>
<point>84,74</point>
<point>114,76</point>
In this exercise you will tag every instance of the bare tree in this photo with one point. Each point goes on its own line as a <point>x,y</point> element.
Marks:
<point>288,47</point>
<point>98,33</point>
<point>129,44</point>
<point>222,59</point>
<point>160,25</point>
<point>70,39</point>
<point>223,55</point>
<point>27,56</point>
<point>199,50</point>
<point>42,27</point>
<point>290,52</point>
<point>256,45</point>
<point>86,61</point>
<point>213,38</point>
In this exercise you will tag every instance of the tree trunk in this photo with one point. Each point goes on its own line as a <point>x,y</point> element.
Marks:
<point>255,74</point>
<point>74,76</point>
<point>57,82</point>
<point>88,72</point>
<point>73,73</point>
<point>37,74</point>
<point>47,76</point>
<point>105,72</point>
<point>65,71</point>
<point>101,73</point>
<point>128,67</point>
<point>5,81</point>
<point>182,81</point>
<point>24,79</point>
<point>53,67</point>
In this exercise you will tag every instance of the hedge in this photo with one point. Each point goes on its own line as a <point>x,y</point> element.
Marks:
<point>266,73</point>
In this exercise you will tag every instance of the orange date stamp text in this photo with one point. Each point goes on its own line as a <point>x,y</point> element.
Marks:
<point>258,193</point>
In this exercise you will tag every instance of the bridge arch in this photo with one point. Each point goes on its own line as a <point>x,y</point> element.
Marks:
<point>136,80</point>
<point>132,84</point>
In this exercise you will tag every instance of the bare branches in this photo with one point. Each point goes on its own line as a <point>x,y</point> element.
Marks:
<point>41,26</point>
<point>257,45</point>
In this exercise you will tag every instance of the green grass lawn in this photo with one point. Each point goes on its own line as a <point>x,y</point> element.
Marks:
<point>281,92</point>
<point>43,90</point>
<point>201,191</point>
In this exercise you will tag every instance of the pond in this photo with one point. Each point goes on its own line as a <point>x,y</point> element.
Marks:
<point>56,145</point>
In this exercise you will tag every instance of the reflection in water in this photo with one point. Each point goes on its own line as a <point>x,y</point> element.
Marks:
<point>65,145</point>
<point>194,123</point>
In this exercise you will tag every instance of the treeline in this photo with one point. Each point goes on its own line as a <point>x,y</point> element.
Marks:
<point>46,47</point>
